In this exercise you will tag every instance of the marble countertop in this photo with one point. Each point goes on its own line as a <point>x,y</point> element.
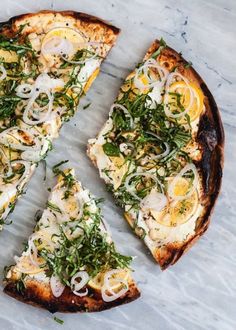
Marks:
<point>199,292</point>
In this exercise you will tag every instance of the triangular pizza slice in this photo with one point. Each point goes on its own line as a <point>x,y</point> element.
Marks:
<point>70,263</point>
<point>48,61</point>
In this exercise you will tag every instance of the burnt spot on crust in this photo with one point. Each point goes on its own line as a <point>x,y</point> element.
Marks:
<point>38,294</point>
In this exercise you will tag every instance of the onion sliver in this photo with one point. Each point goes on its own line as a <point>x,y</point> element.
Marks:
<point>45,82</point>
<point>150,63</point>
<point>80,45</point>
<point>31,153</point>
<point>166,96</point>
<point>76,287</point>
<point>57,46</point>
<point>33,252</point>
<point>28,109</point>
<point>148,175</point>
<point>154,201</point>
<point>163,154</point>
<point>3,71</point>
<point>25,91</point>
<point>56,286</point>
<point>187,168</point>
<point>107,288</point>
<point>9,172</point>
<point>123,108</point>
<point>27,166</point>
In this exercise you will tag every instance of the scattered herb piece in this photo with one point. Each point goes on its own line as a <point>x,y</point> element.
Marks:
<point>56,319</point>
<point>111,149</point>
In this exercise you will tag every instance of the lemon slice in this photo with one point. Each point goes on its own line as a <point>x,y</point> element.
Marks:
<point>73,37</point>
<point>181,187</point>
<point>8,56</point>
<point>90,80</point>
<point>181,211</point>
<point>181,98</point>
<point>25,265</point>
<point>117,173</point>
<point>178,212</point>
<point>97,282</point>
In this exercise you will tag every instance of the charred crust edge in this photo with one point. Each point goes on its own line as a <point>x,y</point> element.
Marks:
<point>211,139</point>
<point>36,296</point>
<point>77,15</point>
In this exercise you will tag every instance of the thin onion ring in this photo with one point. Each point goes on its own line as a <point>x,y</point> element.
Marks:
<point>56,286</point>
<point>83,275</point>
<point>166,95</point>
<point>106,286</point>
<point>4,72</point>
<point>150,63</point>
<point>188,167</point>
<point>129,177</point>
<point>124,109</point>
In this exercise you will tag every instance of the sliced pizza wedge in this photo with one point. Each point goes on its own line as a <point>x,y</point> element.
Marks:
<point>161,153</point>
<point>70,263</point>
<point>48,61</point>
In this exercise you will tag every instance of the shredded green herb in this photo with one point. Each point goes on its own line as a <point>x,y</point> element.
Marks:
<point>56,319</point>
<point>111,149</point>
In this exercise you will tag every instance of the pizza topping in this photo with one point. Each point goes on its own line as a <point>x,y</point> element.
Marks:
<point>60,41</point>
<point>163,154</point>
<point>28,141</point>
<point>125,111</point>
<point>177,189</point>
<point>115,285</point>
<point>25,91</point>
<point>57,46</point>
<point>154,201</point>
<point>56,286</point>
<point>77,286</point>
<point>87,53</point>
<point>25,266</point>
<point>3,72</point>
<point>169,106</point>
<point>179,96</point>
<point>139,185</point>
<point>18,171</point>
<point>150,74</point>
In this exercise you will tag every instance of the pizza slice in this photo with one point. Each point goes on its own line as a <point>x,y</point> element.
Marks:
<point>161,153</point>
<point>48,61</point>
<point>70,263</point>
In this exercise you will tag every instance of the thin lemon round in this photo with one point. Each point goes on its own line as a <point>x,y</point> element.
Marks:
<point>97,282</point>
<point>178,212</point>
<point>9,56</point>
<point>179,93</point>
<point>64,33</point>
<point>181,187</point>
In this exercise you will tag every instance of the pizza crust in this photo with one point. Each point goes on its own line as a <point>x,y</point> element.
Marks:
<point>39,294</point>
<point>210,137</point>
<point>89,23</point>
